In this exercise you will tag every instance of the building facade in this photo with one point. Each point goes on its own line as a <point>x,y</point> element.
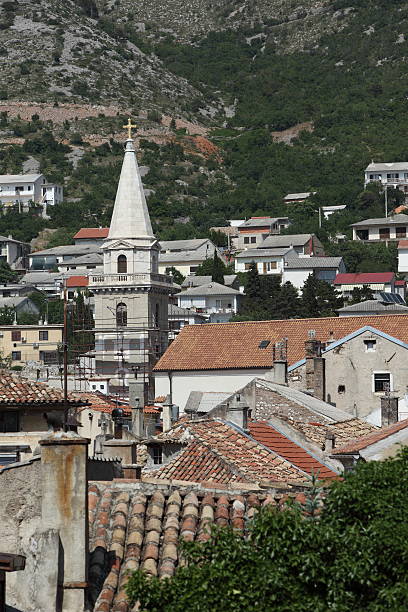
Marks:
<point>253,232</point>
<point>394,175</point>
<point>394,227</point>
<point>36,343</point>
<point>20,190</point>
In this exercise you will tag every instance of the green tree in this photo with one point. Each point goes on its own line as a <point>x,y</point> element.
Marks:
<point>350,556</point>
<point>177,275</point>
<point>253,284</point>
<point>218,269</point>
<point>361,294</point>
<point>211,263</point>
<point>7,315</point>
<point>7,275</point>
<point>319,299</point>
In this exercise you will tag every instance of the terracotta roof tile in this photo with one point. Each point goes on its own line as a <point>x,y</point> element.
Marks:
<point>142,529</point>
<point>217,452</point>
<point>77,281</point>
<point>17,390</point>
<point>92,232</point>
<point>267,435</point>
<point>236,345</point>
<point>351,278</point>
<point>354,446</point>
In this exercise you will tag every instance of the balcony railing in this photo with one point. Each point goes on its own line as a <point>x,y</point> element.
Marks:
<point>96,280</point>
<point>389,181</point>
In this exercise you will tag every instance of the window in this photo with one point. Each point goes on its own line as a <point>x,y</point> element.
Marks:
<point>6,293</point>
<point>9,421</point>
<point>384,232</point>
<point>263,344</point>
<point>157,454</point>
<point>269,265</point>
<point>121,315</point>
<point>247,266</point>
<point>341,389</point>
<point>16,356</point>
<point>246,239</point>
<point>122,264</point>
<point>193,269</point>
<point>253,239</point>
<point>393,175</point>
<point>382,382</point>
<point>49,357</point>
<point>370,345</point>
<point>108,345</point>
<point>43,335</point>
<point>16,336</point>
<point>401,232</point>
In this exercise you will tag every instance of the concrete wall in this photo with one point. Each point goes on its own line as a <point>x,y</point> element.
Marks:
<point>219,380</point>
<point>403,260</point>
<point>30,346</point>
<point>349,375</point>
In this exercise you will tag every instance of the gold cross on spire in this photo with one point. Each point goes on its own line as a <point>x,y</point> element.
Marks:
<point>129,126</point>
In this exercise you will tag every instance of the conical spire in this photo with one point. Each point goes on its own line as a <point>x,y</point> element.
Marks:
<point>130,218</point>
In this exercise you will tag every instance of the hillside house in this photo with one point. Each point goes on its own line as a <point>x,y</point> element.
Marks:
<point>297,269</point>
<point>91,236</point>
<point>253,232</point>
<point>230,280</point>
<point>180,317</point>
<point>298,198</point>
<point>394,174</point>
<point>268,261</point>
<point>378,282</point>
<point>186,255</point>
<point>19,190</point>
<point>217,302</point>
<point>372,307</point>
<point>403,256</point>
<point>49,259</point>
<point>20,305</point>
<point>328,211</point>
<point>305,245</point>
<point>14,252</point>
<point>394,227</point>
<point>226,356</point>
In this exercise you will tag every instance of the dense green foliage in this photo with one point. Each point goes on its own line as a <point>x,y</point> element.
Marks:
<point>267,298</point>
<point>351,557</point>
<point>7,275</point>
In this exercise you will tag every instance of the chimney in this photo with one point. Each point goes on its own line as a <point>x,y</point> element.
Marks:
<point>280,372</point>
<point>329,442</point>
<point>389,410</point>
<point>136,401</point>
<point>237,412</point>
<point>64,461</point>
<point>315,368</point>
<point>167,414</point>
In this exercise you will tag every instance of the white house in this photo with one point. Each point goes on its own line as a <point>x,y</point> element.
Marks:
<point>328,211</point>
<point>180,317</point>
<point>298,198</point>
<point>403,256</point>
<point>394,227</point>
<point>48,259</point>
<point>268,261</point>
<point>186,255</point>
<point>378,282</point>
<point>297,269</point>
<point>216,301</point>
<point>21,189</point>
<point>14,252</point>
<point>392,174</point>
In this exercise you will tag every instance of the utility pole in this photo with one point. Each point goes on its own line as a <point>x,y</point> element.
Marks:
<point>386,200</point>
<point>65,359</point>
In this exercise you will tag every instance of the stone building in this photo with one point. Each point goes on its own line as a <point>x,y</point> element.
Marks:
<point>131,297</point>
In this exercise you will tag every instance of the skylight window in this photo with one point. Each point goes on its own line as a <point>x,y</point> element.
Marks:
<point>264,343</point>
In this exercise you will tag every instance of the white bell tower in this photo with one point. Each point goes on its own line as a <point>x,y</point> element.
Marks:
<point>131,298</point>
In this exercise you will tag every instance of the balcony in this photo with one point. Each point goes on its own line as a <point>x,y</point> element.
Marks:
<point>129,280</point>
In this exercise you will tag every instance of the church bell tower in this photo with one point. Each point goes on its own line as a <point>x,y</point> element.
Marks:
<point>131,297</point>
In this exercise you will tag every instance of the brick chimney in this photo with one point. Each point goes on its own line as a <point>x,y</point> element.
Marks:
<point>389,410</point>
<point>315,369</point>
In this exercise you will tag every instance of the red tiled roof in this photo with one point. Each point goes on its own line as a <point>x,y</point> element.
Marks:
<point>403,244</point>
<point>77,281</point>
<point>268,436</point>
<point>151,410</point>
<point>363,277</point>
<point>356,445</point>
<point>217,452</point>
<point>141,529</point>
<point>400,283</point>
<point>100,403</point>
<point>92,232</point>
<point>17,390</point>
<point>220,346</point>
